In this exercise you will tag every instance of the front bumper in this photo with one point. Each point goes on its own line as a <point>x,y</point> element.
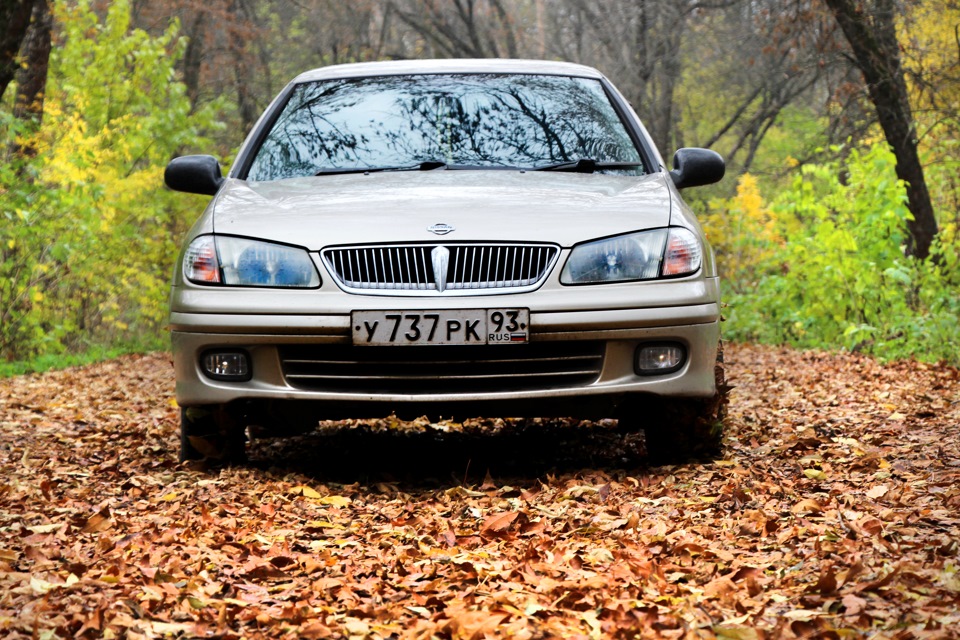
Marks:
<point>619,330</point>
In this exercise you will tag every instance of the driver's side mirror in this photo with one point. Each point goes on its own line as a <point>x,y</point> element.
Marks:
<point>694,167</point>
<point>194,174</point>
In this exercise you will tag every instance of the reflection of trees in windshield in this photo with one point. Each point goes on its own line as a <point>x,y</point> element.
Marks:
<point>473,120</point>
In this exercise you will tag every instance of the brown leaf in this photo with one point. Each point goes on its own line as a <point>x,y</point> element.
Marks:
<point>871,526</point>
<point>805,506</point>
<point>850,574</point>
<point>853,605</point>
<point>827,582</point>
<point>98,522</point>
<point>880,583</point>
<point>878,491</point>
<point>719,587</point>
<point>498,522</point>
<point>449,537</point>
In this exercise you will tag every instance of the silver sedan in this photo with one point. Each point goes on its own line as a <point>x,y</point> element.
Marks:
<point>447,238</point>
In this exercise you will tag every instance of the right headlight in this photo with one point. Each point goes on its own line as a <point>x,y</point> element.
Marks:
<point>645,255</point>
<point>232,261</point>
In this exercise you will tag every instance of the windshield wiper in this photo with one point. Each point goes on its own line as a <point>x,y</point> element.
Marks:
<point>426,165</point>
<point>586,165</point>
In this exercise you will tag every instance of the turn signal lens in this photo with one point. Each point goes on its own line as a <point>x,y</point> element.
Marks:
<point>683,253</point>
<point>200,262</point>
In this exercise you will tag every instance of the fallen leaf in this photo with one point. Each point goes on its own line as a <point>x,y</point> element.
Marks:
<point>499,522</point>
<point>305,491</point>
<point>98,522</point>
<point>878,491</point>
<point>736,632</point>
<point>807,505</point>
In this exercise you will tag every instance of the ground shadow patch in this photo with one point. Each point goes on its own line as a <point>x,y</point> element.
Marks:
<point>419,452</point>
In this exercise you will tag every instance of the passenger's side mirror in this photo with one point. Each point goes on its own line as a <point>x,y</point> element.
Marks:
<point>693,167</point>
<point>194,174</point>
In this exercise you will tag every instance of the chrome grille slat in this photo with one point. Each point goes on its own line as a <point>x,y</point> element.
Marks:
<point>472,268</point>
<point>426,370</point>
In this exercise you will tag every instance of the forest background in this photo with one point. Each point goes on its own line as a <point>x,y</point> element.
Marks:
<point>835,228</point>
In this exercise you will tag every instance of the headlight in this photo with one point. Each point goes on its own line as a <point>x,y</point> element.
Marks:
<point>644,255</point>
<point>241,262</point>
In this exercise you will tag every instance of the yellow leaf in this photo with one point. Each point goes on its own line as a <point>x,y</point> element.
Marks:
<point>737,632</point>
<point>305,491</point>
<point>336,501</point>
<point>815,474</point>
<point>37,296</point>
<point>238,603</point>
<point>41,587</point>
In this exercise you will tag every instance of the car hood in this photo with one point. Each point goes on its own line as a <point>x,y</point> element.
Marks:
<point>492,205</point>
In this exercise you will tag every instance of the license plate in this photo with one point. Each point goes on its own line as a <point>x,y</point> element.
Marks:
<point>459,327</point>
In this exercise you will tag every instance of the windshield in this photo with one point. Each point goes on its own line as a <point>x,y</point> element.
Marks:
<point>459,120</point>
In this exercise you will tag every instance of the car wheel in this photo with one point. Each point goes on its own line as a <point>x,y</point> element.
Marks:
<point>677,430</point>
<point>210,432</point>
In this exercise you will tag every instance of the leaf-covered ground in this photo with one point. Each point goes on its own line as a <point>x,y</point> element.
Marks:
<point>834,513</point>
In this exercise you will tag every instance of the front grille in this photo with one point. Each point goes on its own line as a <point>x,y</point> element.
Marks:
<point>442,369</point>
<point>452,269</point>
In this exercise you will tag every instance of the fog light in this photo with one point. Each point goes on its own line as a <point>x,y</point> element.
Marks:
<point>227,365</point>
<point>654,359</point>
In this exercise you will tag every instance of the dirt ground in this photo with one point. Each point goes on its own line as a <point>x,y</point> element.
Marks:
<point>834,512</point>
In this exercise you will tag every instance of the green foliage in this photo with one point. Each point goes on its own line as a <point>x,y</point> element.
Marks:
<point>95,353</point>
<point>840,277</point>
<point>90,233</point>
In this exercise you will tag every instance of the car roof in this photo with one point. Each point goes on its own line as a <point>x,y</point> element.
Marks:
<point>415,67</point>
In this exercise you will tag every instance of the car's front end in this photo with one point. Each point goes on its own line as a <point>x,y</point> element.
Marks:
<point>576,288</point>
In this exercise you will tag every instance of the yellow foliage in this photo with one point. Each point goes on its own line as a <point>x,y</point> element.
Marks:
<point>929,33</point>
<point>931,59</point>
<point>743,231</point>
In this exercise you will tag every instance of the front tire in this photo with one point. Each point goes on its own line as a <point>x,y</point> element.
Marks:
<point>682,429</point>
<point>211,432</point>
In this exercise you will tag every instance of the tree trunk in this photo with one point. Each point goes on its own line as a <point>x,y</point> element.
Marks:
<point>242,68</point>
<point>193,57</point>
<point>871,31</point>
<point>15,19</point>
<point>32,75</point>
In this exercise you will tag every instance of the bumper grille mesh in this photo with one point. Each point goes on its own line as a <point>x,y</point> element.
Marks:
<point>427,370</point>
<point>440,268</point>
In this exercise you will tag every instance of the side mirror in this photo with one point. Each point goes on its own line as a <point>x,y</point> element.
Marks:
<point>194,174</point>
<point>693,167</point>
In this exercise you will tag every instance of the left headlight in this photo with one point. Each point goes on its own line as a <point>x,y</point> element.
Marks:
<point>226,260</point>
<point>645,255</point>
